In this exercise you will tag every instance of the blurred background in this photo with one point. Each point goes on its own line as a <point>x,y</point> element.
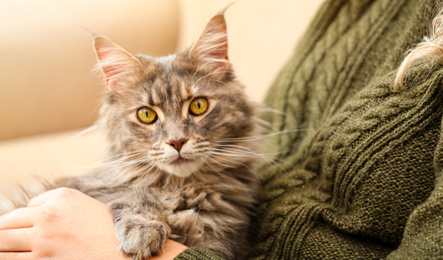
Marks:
<point>48,93</point>
<point>46,55</point>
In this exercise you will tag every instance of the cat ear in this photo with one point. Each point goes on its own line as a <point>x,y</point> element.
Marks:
<point>211,48</point>
<point>119,67</point>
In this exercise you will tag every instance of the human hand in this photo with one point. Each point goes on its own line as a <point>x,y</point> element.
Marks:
<point>170,251</point>
<point>61,224</point>
<point>64,224</point>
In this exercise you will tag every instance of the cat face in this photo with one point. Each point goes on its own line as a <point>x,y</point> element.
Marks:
<point>178,114</point>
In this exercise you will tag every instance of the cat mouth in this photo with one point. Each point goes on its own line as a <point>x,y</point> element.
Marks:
<point>180,161</point>
<point>181,166</point>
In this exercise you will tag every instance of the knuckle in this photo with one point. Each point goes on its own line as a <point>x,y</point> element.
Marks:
<point>48,214</point>
<point>43,254</point>
<point>46,238</point>
<point>62,192</point>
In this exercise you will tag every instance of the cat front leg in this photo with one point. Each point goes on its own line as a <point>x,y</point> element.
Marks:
<point>139,224</point>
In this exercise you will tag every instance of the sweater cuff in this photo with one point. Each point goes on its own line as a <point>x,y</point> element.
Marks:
<point>194,253</point>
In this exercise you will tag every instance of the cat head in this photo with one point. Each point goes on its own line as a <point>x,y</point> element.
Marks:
<point>178,114</point>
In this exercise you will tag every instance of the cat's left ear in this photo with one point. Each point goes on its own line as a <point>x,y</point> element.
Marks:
<point>211,48</point>
<point>120,68</point>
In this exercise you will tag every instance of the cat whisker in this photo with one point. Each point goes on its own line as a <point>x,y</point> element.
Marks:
<point>219,81</point>
<point>232,154</point>
<point>203,66</point>
<point>263,109</point>
<point>235,165</point>
<point>100,104</point>
<point>221,155</point>
<point>86,130</point>
<point>123,162</point>
<point>82,168</point>
<point>215,160</point>
<point>146,169</point>
<point>204,76</point>
<point>234,148</point>
<point>123,156</point>
<point>204,158</point>
<point>202,145</point>
<point>107,162</point>
<point>156,153</point>
<point>255,137</point>
<point>126,154</point>
<point>242,154</point>
<point>162,159</point>
<point>128,172</point>
<point>241,150</point>
<point>154,175</point>
<point>122,167</point>
<point>263,123</point>
<point>93,165</point>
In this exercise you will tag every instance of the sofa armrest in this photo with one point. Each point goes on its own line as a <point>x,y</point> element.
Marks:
<point>49,156</point>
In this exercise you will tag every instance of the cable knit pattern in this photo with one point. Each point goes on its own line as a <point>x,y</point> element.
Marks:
<point>361,161</point>
<point>359,170</point>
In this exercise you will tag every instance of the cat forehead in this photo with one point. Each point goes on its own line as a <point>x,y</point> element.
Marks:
<point>153,67</point>
<point>180,64</point>
<point>160,92</point>
<point>164,82</point>
<point>166,61</point>
<point>172,75</point>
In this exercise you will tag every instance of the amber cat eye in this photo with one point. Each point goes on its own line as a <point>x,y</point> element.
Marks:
<point>146,115</point>
<point>198,106</point>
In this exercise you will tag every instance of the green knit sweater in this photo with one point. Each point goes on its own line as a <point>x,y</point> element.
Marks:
<point>359,173</point>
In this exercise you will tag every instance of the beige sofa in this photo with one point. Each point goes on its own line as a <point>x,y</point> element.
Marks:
<point>48,93</point>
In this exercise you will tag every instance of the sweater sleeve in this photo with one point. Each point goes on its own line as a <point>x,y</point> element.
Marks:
<point>423,233</point>
<point>196,253</point>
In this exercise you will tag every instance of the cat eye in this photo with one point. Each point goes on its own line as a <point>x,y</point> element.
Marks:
<point>146,115</point>
<point>198,106</point>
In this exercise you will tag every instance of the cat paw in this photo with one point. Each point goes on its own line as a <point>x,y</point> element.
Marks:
<point>140,237</point>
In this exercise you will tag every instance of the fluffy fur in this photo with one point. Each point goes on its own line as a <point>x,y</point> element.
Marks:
<point>429,51</point>
<point>200,195</point>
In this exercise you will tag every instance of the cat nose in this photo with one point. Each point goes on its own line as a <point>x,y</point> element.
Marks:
<point>177,144</point>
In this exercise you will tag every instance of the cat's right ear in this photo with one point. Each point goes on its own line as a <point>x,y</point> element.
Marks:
<point>120,68</point>
<point>211,47</point>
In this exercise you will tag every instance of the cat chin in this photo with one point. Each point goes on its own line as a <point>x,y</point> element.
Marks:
<point>183,169</point>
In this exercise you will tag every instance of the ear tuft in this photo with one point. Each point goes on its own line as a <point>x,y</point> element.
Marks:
<point>119,67</point>
<point>211,48</point>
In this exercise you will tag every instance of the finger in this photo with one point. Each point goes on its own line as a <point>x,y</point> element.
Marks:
<point>19,218</point>
<point>15,240</point>
<point>40,199</point>
<point>170,251</point>
<point>52,194</point>
<point>16,255</point>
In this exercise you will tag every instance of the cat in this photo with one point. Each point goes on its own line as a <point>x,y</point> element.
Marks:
<point>181,159</point>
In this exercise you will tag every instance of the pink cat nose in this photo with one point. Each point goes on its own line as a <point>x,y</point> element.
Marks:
<point>177,144</point>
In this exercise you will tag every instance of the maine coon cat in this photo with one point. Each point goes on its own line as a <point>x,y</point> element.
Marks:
<point>180,161</point>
